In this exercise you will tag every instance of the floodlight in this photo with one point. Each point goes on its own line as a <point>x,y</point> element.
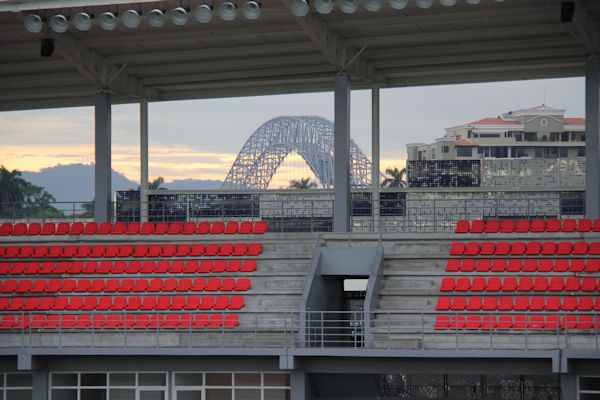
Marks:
<point>179,16</point>
<point>203,13</point>
<point>300,7</point>
<point>448,3</point>
<point>251,9</point>
<point>473,1</point>
<point>34,23</point>
<point>59,23</point>
<point>398,4</point>
<point>131,19</point>
<point>373,5</point>
<point>47,47</point>
<point>424,3</point>
<point>324,6</point>
<point>156,18</point>
<point>83,21</point>
<point>108,21</point>
<point>228,10</point>
<point>349,6</point>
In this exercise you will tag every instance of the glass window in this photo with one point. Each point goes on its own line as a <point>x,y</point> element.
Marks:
<point>64,379</point>
<point>64,394</point>
<point>218,394</point>
<point>218,379</point>
<point>122,379</point>
<point>589,383</point>
<point>19,394</point>
<point>589,396</point>
<point>93,394</point>
<point>277,394</point>
<point>122,394</point>
<point>19,380</point>
<point>189,395</point>
<point>539,152</point>
<point>277,379</point>
<point>247,394</point>
<point>445,149</point>
<point>464,152</point>
<point>93,379</point>
<point>563,152</point>
<point>158,379</point>
<point>581,152</point>
<point>188,379</point>
<point>152,395</point>
<point>247,380</point>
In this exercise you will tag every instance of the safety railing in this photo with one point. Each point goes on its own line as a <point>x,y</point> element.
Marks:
<point>315,329</point>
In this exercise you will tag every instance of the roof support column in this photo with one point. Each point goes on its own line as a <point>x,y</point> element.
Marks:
<point>375,156</point>
<point>102,169</point>
<point>592,133</point>
<point>143,160</point>
<point>341,184</point>
<point>298,385</point>
<point>40,385</point>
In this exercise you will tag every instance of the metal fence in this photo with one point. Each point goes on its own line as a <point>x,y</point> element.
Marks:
<point>320,329</point>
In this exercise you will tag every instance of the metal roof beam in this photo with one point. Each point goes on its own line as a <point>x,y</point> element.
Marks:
<point>586,28</point>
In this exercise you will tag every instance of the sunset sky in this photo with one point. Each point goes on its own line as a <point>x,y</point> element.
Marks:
<point>200,139</point>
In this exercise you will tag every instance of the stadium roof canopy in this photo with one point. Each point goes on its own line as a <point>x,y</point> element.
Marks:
<point>280,53</point>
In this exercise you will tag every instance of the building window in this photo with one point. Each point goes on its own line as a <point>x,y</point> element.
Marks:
<point>433,154</point>
<point>464,152</point>
<point>581,152</point>
<point>113,386</point>
<point>564,137</point>
<point>589,387</point>
<point>16,386</point>
<point>539,152</point>
<point>563,152</point>
<point>445,149</point>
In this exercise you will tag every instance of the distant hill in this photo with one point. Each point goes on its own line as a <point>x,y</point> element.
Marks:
<point>75,182</point>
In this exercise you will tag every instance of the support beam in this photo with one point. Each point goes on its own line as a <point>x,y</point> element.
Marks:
<point>586,27</point>
<point>592,129</point>
<point>143,160</point>
<point>341,185</point>
<point>375,168</point>
<point>298,385</point>
<point>40,385</point>
<point>102,169</point>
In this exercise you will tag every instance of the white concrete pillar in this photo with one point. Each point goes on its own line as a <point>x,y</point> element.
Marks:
<point>102,168</point>
<point>592,133</point>
<point>375,165</point>
<point>143,160</point>
<point>341,202</point>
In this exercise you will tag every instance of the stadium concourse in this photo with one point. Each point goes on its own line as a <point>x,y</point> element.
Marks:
<point>223,309</point>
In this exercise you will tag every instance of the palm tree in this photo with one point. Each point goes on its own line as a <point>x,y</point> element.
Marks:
<point>156,183</point>
<point>395,178</point>
<point>302,183</point>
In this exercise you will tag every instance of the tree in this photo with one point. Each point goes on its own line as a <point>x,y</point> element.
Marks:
<point>19,198</point>
<point>302,183</point>
<point>395,178</point>
<point>155,184</point>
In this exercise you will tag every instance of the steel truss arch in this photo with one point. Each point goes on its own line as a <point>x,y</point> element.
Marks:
<point>310,137</point>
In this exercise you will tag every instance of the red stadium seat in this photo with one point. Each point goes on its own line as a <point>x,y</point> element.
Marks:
<point>111,251</point>
<point>226,249</point>
<point>161,228</point>
<point>6,229</point>
<point>169,285</point>
<point>533,248</point>
<point>200,321</point>
<point>538,226</point>
<point>140,250</point>
<point>502,249</point>
<point>133,303</point>
<point>105,228</point>
<point>75,304</point>
<point>499,265</point>
<point>548,248</point>
<point>205,266</point>
<point>592,266</point>
<point>26,252</point>
<point>457,249</point>
<point>199,285</point>
<point>91,228</point>
<point>561,265</point>
<point>163,303</point>
<point>227,285</point>
<point>97,251</point>
<point>192,303</point>
<point>583,303</point>
<point>473,322</point>
<point>169,250</point>
<point>260,227</point>
<point>207,303</point>
<point>553,304</point>
<point>242,285</point>
<point>540,284</point>
<point>189,228</point>
<point>553,225</point>
<point>596,226</point>
<point>477,226</point>
<point>34,229</point>
<point>538,304</point>
<point>468,265</point>
<point>133,267</point>
<point>126,286</point>
<point>197,250</point>
<point>543,265</point>
<point>585,322</point>
<point>492,226</point>
<point>489,304</point>
<point>221,303</point>
<point>177,267</point>
<point>147,228</point>
<point>474,304</point>
<point>521,304</point>
<point>112,286</point>
<point>256,249</point>
<point>507,226</point>
<point>213,285</point>
<point>19,229</point>
<point>246,228</point>
<point>577,265</point>
<point>203,228</point>
<point>182,250</point>
<point>219,266</point>
<point>569,304</point>
<point>493,285</point>
<point>462,226</point>
<point>594,249</point>
<point>520,322</point>
<point>514,265</point>
<point>83,251</point>
<point>54,286</point>
<point>509,285</point>
<point>457,322</point>
<point>443,303</point>
<point>585,225</point>
<point>472,249</point>
<point>587,284</point>
<point>236,303</point>
<point>119,228</point>
<point>453,265</point>
<point>522,226</point>
<point>63,228</point>
<point>518,248</point>
<point>525,284</point>
<point>175,228</point>
<point>442,322</point>
<point>556,284</point>
<point>148,267</point>
<point>90,267</point>
<point>38,287</point>
<point>231,228</point>
<point>211,250</point>
<point>125,250</point>
<point>487,249</point>
<point>119,304</point>
<point>239,250</point>
<point>478,285</point>
<point>447,285</point>
<point>564,249</point>
<point>77,228</point>
<point>133,228</point>
<point>190,267</point>
<point>162,267</point>
<point>148,303</point>
<point>140,285</point>
<point>48,229</point>
<point>569,225</point>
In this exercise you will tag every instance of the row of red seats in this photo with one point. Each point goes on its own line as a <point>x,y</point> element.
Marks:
<point>527,265</point>
<point>524,284</point>
<point>141,321</point>
<point>517,322</point>
<point>127,250</point>
<point>518,304</point>
<point>126,267</point>
<point>124,285</point>
<point>524,248</point>
<point>134,228</point>
<point>525,225</point>
<point>147,303</point>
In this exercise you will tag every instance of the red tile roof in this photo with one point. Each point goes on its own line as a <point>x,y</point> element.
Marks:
<point>464,143</point>
<point>574,121</point>
<point>493,121</point>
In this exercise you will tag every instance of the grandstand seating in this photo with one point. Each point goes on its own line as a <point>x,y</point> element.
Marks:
<point>98,281</point>
<point>545,277</point>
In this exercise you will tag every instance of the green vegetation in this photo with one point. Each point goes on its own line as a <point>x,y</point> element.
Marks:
<point>302,183</point>
<point>22,199</point>
<point>395,178</point>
